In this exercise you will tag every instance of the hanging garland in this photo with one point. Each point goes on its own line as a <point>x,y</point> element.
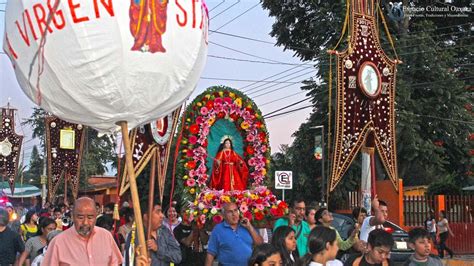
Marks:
<point>224,103</point>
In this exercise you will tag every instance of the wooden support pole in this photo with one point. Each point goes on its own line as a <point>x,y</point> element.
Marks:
<point>133,189</point>
<point>151,192</point>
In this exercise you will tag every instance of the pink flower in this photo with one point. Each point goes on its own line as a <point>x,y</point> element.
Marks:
<point>252,161</point>
<point>217,101</point>
<point>192,173</point>
<point>244,208</point>
<point>228,100</point>
<point>250,138</point>
<point>259,206</point>
<point>191,182</point>
<point>202,219</point>
<point>263,148</point>
<point>193,139</point>
<point>199,119</point>
<point>204,111</point>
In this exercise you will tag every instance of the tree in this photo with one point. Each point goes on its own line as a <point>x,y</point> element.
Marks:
<point>35,168</point>
<point>432,121</point>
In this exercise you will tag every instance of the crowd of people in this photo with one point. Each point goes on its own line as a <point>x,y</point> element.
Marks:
<point>85,233</point>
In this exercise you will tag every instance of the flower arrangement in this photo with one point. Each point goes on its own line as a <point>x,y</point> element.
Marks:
<point>259,205</point>
<point>224,103</point>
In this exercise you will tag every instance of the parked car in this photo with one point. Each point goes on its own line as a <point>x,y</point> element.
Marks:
<point>400,251</point>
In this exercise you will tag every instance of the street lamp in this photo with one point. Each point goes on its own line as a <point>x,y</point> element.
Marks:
<point>319,155</point>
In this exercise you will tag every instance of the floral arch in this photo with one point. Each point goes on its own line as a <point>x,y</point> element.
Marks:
<point>216,112</point>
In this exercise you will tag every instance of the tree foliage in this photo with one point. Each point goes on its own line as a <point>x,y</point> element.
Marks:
<point>432,96</point>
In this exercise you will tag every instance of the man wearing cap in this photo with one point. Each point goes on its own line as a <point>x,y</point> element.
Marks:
<point>84,243</point>
<point>10,241</point>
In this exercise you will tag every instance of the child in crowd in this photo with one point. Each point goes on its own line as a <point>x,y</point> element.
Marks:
<point>284,240</point>
<point>322,247</point>
<point>419,241</point>
<point>379,245</point>
<point>265,255</point>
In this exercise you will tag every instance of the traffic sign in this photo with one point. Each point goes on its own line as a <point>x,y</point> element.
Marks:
<point>283,179</point>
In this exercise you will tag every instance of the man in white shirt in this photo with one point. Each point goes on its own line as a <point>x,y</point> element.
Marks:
<point>380,211</point>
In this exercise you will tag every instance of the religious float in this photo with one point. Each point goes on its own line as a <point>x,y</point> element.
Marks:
<point>225,156</point>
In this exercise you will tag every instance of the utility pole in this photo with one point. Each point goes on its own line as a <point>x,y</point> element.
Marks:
<point>44,176</point>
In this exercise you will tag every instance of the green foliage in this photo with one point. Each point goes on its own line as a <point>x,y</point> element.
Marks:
<point>445,186</point>
<point>35,168</point>
<point>432,92</point>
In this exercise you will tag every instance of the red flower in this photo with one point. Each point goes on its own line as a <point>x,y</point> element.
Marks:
<point>193,140</point>
<point>205,143</point>
<point>194,129</point>
<point>248,215</point>
<point>262,136</point>
<point>210,104</point>
<point>282,205</point>
<point>190,153</point>
<point>234,117</point>
<point>471,136</point>
<point>191,164</point>
<point>217,219</point>
<point>258,124</point>
<point>250,150</point>
<point>277,212</point>
<point>221,115</point>
<point>259,216</point>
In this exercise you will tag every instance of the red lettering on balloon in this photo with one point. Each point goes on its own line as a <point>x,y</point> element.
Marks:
<point>108,6</point>
<point>60,15</point>
<point>10,48</point>
<point>185,19</point>
<point>24,31</point>
<point>73,8</point>
<point>40,15</point>
<point>194,14</point>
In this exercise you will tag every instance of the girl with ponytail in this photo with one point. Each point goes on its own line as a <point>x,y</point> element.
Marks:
<point>322,246</point>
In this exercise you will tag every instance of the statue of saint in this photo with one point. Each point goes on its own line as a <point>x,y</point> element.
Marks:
<point>229,170</point>
<point>148,24</point>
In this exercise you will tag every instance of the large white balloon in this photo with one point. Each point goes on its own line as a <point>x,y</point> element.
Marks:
<point>105,61</point>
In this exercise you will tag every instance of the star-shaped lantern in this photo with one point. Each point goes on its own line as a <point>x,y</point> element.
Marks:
<point>365,97</point>
<point>10,147</point>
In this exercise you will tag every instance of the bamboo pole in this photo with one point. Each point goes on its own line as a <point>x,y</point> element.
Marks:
<point>133,189</point>
<point>151,192</point>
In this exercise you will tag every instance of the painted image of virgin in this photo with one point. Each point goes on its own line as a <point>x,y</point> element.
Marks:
<point>148,24</point>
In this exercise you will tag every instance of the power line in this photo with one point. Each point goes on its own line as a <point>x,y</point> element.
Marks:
<point>286,107</point>
<point>225,10</point>
<point>243,13</point>
<point>244,80</point>
<point>290,111</point>
<point>256,61</point>
<point>280,78</point>
<point>282,98</point>
<point>268,87</point>
<point>272,76</point>
<point>223,1</point>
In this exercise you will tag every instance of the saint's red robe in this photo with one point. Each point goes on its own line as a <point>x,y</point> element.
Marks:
<point>229,171</point>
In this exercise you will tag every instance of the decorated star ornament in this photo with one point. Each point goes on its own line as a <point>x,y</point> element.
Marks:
<point>10,147</point>
<point>365,95</point>
<point>65,141</point>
